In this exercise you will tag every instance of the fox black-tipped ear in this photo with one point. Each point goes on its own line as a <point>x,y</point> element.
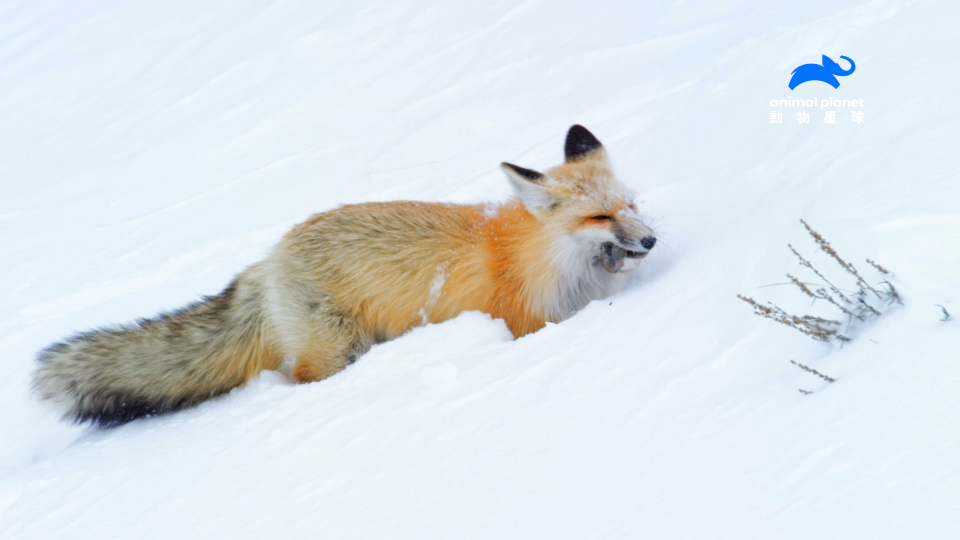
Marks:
<point>526,174</point>
<point>580,143</point>
<point>529,185</point>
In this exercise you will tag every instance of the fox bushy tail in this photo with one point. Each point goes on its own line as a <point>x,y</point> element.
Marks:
<point>176,360</point>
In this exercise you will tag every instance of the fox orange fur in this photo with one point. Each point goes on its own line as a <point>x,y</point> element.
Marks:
<point>361,274</point>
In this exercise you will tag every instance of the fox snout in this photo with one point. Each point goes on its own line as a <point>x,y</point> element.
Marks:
<point>633,235</point>
<point>634,241</point>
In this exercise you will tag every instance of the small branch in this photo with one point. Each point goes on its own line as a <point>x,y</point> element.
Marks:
<point>878,267</point>
<point>825,247</point>
<point>804,262</point>
<point>867,306</point>
<point>946,314</point>
<point>807,324</point>
<point>815,372</point>
<point>892,294</point>
<point>804,392</point>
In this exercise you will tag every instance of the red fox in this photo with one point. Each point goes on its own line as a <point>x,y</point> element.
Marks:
<point>362,274</point>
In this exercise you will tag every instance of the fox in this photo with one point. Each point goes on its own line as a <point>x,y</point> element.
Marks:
<point>362,274</point>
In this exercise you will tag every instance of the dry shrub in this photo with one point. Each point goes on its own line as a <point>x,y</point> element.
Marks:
<point>858,305</point>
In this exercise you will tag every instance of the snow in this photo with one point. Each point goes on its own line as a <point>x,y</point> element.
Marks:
<point>149,152</point>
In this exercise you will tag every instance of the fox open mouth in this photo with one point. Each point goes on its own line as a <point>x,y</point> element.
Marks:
<point>612,256</point>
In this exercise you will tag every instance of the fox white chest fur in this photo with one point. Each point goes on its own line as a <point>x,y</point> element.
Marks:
<point>346,279</point>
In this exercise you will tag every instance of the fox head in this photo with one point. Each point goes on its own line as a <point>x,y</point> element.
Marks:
<point>583,202</point>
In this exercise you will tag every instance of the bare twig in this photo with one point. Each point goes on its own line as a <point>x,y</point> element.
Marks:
<point>807,283</point>
<point>815,327</point>
<point>864,306</point>
<point>815,372</point>
<point>946,314</point>
<point>804,392</point>
<point>825,247</point>
<point>891,293</point>
<point>806,263</point>
<point>881,269</point>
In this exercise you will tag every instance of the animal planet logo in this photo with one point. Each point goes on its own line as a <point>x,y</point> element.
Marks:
<point>826,73</point>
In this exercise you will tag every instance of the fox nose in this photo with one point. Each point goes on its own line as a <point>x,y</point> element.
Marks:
<point>648,242</point>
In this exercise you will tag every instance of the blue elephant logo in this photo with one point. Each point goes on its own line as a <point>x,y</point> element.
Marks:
<point>826,73</point>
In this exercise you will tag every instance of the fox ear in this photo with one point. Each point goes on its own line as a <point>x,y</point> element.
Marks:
<point>581,144</point>
<point>529,185</point>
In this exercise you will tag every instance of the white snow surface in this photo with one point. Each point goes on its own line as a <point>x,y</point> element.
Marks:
<point>150,151</point>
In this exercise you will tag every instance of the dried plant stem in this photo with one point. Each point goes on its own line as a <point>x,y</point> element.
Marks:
<point>804,262</point>
<point>866,306</point>
<point>807,324</point>
<point>820,294</point>
<point>892,294</point>
<point>881,269</point>
<point>815,372</point>
<point>825,247</point>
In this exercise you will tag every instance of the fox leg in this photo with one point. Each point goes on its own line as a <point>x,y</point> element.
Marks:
<point>316,366</point>
<point>312,327</point>
<point>323,361</point>
<point>334,341</point>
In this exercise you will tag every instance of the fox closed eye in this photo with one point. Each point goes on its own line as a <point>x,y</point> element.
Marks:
<point>602,218</point>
